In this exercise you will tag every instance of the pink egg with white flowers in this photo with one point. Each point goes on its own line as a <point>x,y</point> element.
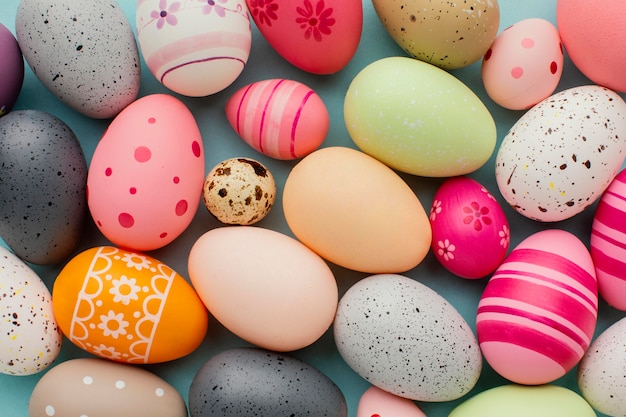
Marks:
<point>524,64</point>
<point>146,175</point>
<point>538,312</point>
<point>470,230</point>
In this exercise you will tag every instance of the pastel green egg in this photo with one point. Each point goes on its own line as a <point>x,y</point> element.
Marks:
<point>418,119</point>
<point>523,401</point>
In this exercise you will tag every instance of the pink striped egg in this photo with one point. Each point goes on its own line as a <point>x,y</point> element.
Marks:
<point>608,243</point>
<point>538,312</point>
<point>194,48</point>
<point>282,119</point>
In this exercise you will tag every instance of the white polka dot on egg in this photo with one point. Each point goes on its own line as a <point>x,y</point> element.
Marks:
<point>120,384</point>
<point>87,380</point>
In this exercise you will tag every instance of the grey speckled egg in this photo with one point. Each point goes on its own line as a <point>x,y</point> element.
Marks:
<point>83,51</point>
<point>257,382</point>
<point>602,371</point>
<point>406,339</point>
<point>43,176</point>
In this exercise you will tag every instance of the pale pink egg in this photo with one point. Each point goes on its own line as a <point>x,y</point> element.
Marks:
<point>470,229</point>
<point>378,403</point>
<point>524,64</point>
<point>537,314</point>
<point>146,174</point>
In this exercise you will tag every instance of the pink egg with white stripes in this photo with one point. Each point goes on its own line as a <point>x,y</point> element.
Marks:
<point>194,48</point>
<point>282,119</point>
<point>608,243</point>
<point>538,312</point>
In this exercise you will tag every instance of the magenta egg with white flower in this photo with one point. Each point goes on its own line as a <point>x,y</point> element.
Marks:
<point>470,229</point>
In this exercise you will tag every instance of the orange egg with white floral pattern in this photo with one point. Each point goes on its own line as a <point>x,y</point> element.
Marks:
<point>127,307</point>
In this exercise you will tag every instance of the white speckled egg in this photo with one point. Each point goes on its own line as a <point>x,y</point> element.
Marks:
<point>84,52</point>
<point>562,154</point>
<point>406,339</point>
<point>602,371</point>
<point>30,339</point>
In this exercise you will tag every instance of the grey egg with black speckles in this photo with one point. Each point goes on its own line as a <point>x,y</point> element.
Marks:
<point>406,339</point>
<point>84,52</point>
<point>43,177</point>
<point>243,382</point>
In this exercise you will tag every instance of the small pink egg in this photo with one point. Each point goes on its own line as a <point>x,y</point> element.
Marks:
<point>376,402</point>
<point>470,229</point>
<point>524,64</point>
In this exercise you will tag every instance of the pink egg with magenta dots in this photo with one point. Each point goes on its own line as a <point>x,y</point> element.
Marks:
<point>524,64</point>
<point>470,230</point>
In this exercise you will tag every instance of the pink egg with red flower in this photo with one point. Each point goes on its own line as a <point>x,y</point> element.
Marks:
<point>470,230</point>
<point>524,64</point>
<point>146,174</point>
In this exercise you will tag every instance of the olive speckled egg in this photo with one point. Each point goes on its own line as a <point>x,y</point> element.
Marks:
<point>43,176</point>
<point>406,339</point>
<point>258,382</point>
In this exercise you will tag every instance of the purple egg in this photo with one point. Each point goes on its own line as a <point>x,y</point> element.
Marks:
<point>11,68</point>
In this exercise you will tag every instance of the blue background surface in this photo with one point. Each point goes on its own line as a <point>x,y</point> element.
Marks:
<point>221,143</point>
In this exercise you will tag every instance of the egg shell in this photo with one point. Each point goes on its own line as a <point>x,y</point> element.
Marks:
<point>376,402</point>
<point>283,119</point>
<point>239,191</point>
<point>127,307</point>
<point>406,339</point>
<point>317,36</point>
<point>42,192</point>
<point>602,371</point>
<point>418,119</point>
<point>252,381</point>
<point>561,155</point>
<point>471,233</point>
<point>99,388</point>
<point>29,335</point>
<point>593,37</point>
<point>146,175</point>
<point>12,70</point>
<point>73,51</point>
<point>608,243</point>
<point>194,48</point>
<point>264,286</point>
<point>356,212</point>
<point>522,401</point>
<point>538,311</point>
<point>524,64</point>
<point>448,34</point>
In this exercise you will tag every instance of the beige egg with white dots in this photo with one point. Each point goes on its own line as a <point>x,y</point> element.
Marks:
<point>239,191</point>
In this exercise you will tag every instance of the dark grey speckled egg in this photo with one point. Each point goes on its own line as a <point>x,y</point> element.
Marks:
<point>257,382</point>
<point>43,177</point>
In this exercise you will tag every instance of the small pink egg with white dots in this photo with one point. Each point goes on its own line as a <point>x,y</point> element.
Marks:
<point>524,64</point>
<point>146,174</point>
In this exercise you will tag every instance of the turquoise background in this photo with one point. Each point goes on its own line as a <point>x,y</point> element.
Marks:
<point>221,143</point>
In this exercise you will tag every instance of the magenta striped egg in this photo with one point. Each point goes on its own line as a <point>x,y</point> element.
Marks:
<point>282,119</point>
<point>608,243</point>
<point>538,312</point>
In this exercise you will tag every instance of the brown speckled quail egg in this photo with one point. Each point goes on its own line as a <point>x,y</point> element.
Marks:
<point>239,191</point>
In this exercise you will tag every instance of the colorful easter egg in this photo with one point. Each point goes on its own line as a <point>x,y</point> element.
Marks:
<point>524,64</point>
<point>418,119</point>
<point>376,402</point>
<point>470,230</point>
<point>280,118</point>
<point>537,314</point>
<point>608,243</point>
<point>12,70</point>
<point>194,48</point>
<point>146,174</point>
<point>317,36</point>
<point>127,307</point>
<point>561,155</point>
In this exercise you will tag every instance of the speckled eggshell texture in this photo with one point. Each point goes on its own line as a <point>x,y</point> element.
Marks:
<point>248,381</point>
<point>11,68</point>
<point>84,52</point>
<point>561,155</point>
<point>42,192</point>
<point>406,339</point>
<point>29,335</point>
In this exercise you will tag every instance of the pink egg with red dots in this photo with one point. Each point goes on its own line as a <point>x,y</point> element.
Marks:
<point>524,64</point>
<point>146,174</point>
